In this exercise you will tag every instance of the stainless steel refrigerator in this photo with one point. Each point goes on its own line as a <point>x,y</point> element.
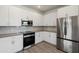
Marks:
<point>68,34</point>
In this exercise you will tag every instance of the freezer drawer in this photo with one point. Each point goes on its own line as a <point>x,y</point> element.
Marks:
<point>71,47</point>
<point>60,44</point>
<point>67,46</point>
<point>75,47</point>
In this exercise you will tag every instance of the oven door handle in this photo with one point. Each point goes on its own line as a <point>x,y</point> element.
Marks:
<point>28,35</point>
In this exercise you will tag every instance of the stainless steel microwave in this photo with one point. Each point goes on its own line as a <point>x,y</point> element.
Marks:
<point>26,23</point>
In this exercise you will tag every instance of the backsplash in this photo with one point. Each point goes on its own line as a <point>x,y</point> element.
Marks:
<point>14,29</point>
<point>50,28</point>
<point>8,29</point>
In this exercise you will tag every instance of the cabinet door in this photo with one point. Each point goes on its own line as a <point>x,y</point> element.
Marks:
<point>45,21</point>
<point>3,15</point>
<point>50,19</point>
<point>6,45</point>
<point>37,20</point>
<point>45,36</point>
<point>40,22</point>
<point>17,43</point>
<point>52,37</point>
<point>24,14</point>
<point>38,37</point>
<point>11,44</point>
<point>15,16</point>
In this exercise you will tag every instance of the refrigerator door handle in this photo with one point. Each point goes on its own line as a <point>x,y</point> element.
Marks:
<point>65,27</point>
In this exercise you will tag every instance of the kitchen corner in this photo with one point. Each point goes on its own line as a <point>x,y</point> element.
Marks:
<point>22,26</point>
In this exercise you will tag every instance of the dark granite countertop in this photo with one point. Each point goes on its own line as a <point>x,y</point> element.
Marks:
<point>10,34</point>
<point>20,33</point>
<point>54,31</point>
<point>13,34</point>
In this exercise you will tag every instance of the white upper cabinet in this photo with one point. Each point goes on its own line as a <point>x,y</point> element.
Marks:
<point>12,15</point>
<point>37,20</point>
<point>3,15</point>
<point>15,16</point>
<point>50,19</point>
<point>25,15</point>
<point>68,11</point>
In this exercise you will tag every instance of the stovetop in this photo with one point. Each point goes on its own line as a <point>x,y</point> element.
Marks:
<point>28,32</point>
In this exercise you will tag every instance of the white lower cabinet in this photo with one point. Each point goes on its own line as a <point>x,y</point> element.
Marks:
<point>52,38</point>
<point>45,36</point>
<point>5,45</point>
<point>11,44</point>
<point>15,16</point>
<point>17,43</point>
<point>38,37</point>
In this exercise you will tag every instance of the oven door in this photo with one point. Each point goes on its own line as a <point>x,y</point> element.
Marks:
<point>29,40</point>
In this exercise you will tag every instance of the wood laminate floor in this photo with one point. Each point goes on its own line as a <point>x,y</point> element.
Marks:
<point>42,47</point>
